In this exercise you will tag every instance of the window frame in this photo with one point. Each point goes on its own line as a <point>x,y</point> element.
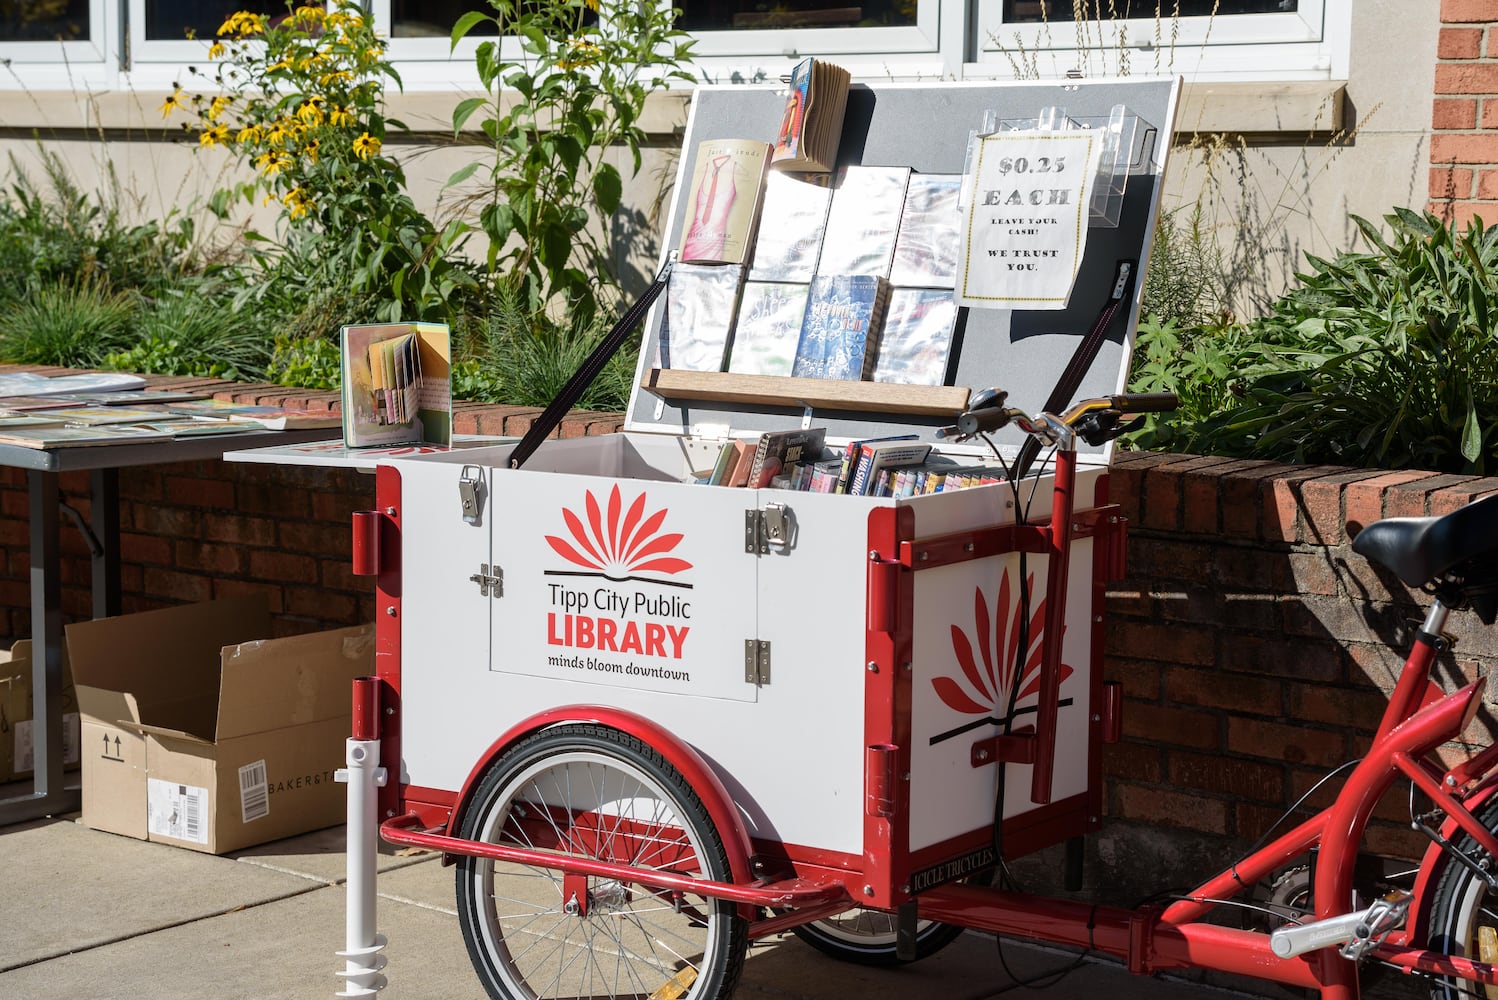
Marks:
<point>103,24</point>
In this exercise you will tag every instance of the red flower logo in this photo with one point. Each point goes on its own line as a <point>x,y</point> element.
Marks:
<point>619,544</point>
<point>993,681</point>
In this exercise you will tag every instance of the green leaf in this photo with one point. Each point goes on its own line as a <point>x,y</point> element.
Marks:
<point>462,174</point>
<point>466,23</point>
<point>465,110</point>
<point>608,188</point>
<point>1471,432</point>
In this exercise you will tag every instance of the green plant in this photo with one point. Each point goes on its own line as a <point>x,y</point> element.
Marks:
<point>1384,358</point>
<point>302,99</point>
<point>1183,282</point>
<point>75,324</point>
<point>551,116</point>
<point>306,362</point>
<point>193,330</point>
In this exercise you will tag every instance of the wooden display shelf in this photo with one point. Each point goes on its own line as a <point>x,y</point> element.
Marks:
<point>823,394</point>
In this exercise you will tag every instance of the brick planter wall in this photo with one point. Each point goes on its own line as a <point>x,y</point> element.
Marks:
<point>1250,640</point>
<point>1464,114</point>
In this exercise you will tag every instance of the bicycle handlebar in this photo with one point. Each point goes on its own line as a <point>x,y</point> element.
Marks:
<point>988,419</point>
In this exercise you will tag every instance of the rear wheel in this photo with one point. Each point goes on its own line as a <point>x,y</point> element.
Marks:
<point>867,937</point>
<point>1464,916</point>
<point>533,933</point>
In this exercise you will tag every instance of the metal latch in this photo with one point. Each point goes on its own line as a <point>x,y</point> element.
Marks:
<point>471,493</point>
<point>490,584</point>
<point>756,661</point>
<point>775,524</point>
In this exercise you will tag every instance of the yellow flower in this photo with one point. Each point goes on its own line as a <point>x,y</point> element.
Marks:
<point>283,63</point>
<point>366,146</point>
<point>311,111</point>
<point>216,50</point>
<point>218,135</point>
<point>297,201</point>
<point>278,133</point>
<point>219,106</point>
<point>310,150</point>
<point>580,52</point>
<point>172,103</point>
<point>339,115</point>
<point>243,23</point>
<point>249,134</point>
<point>272,163</point>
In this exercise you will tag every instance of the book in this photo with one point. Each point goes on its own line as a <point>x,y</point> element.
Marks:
<point>700,300</point>
<point>63,436</point>
<point>863,221</point>
<point>277,418</point>
<point>728,178</point>
<point>768,328</point>
<point>930,232</point>
<point>35,419</point>
<point>852,450</point>
<point>397,384</point>
<point>843,317</point>
<point>812,126</point>
<point>728,456</point>
<point>742,461</point>
<point>128,397</point>
<point>32,384</point>
<point>777,451</point>
<point>915,339</point>
<point>88,416</point>
<point>791,224</point>
<point>876,456</point>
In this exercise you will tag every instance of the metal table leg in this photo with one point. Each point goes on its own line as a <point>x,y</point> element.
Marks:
<point>49,796</point>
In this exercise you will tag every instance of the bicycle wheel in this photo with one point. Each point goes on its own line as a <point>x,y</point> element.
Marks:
<point>1464,916</point>
<point>594,792</point>
<point>867,937</point>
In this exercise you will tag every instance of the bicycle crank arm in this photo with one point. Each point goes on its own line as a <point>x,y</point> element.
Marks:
<point>1356,933</point>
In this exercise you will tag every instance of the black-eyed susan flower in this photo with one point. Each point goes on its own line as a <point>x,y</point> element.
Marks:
<point>366,146</point>
<point>172,103</point>
<point>217,135</point>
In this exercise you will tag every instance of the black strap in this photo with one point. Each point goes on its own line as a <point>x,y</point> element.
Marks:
<point>587,372</point>
<point>1081,359</point>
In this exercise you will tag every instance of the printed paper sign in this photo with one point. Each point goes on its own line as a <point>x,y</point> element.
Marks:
<point>177,811</point>
<point>1025,224</point>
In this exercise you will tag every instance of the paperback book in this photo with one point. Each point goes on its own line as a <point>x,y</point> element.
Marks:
<point>843,314</point>
<point>723,201</point>
<point>277,418</point>
<point>790,228</point>
<point>916,340</point>
<point>63,436</point>
<point>812,126</point>
<point>700,302</point>
<point>777,451</point>
<point>863,221</point>
<point>397,384</point>
<point>877,456</point>
<point>768,328</point>
<point>930,232</point>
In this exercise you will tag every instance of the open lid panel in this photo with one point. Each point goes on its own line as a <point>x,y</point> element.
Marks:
<point>927,127</point>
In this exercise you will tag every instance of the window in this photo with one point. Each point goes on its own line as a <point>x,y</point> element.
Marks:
<point>52,30</point>
<point>1280,39</point>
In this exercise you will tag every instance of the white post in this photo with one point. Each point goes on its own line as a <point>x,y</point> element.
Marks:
<point>363,775</point>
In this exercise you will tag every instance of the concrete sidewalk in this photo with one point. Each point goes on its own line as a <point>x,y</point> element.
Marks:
<point>91,915</point>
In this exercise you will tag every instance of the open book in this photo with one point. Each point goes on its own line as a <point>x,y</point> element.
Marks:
<point>397,384</point>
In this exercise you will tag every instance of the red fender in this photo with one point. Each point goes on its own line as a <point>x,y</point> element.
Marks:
<point>681,755</point>
<point>1424,888</point>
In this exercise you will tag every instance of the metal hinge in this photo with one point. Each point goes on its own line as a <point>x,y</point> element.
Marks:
<point>471,493</point>
<point>774,524</point>
<point>756,661</point>
<point>490,584</point>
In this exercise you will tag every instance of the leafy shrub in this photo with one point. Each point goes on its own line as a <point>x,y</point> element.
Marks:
<point>194,331</point>
<point>1378,359</point>
<point>75,324</point>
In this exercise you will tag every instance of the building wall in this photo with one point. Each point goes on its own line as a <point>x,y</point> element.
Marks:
<point>1464,114</point>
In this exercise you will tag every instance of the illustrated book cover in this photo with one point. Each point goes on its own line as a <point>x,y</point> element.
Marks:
<point>863,221</point>
<point>930,232</point>
<point>723,199</point>
<point>790,228</point>
<point>700,300</point>
<point>777,451</point>
<point>768,328</point>
<point>812,127</point>
<point>843,314</point>
<point>915,341</point>
<point>879,455</point>
<point>397,384</point>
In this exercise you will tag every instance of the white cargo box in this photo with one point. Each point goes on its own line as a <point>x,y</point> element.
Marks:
<point>818,651</point>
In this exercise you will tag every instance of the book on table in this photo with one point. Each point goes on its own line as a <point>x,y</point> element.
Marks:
<point>276,418</point>
<point>397,384</point>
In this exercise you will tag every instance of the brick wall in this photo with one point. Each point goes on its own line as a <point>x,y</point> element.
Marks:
<point>1250,640</point>
<point>1464,116</point>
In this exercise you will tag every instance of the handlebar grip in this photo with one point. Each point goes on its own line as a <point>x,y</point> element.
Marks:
<point>1145,402</point>
<point>982,421</point>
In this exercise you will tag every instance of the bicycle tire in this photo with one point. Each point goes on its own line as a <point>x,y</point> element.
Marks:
<point>1460,911</point>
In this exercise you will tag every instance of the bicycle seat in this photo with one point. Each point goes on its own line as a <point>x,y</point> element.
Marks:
<point>1421,549</point>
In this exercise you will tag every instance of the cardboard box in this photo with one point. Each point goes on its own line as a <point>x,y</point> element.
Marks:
<point>16,741</point>
<point>198,731</point>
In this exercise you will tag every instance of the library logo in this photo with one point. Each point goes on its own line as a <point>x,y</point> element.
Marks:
<point>994,675</point>
<point>616,544</point>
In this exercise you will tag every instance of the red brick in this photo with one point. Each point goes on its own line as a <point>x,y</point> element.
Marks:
<point>1451,182</point>
<point>1452,147</point>
<point>1170,643</point>
<point>240,530</point>
<point>339,507</point>
<point>1352,708</point>
<point>283,567</point>
<point>143,548</point>
<point>1133,761</point>
<point>1468,11</point>
<point>319,604</point>
<point>262,498</point>
<point>1252,820</point>
<point>317,539</point>
<point>1314,572</point>
<point>1365,499</point>
<point>195,492</point>
<point>1278,656</point>
<point>179,587</point>
<point>1412,499</point>
<point>1446,500</point>
<point>1466,78</point>
<point>225,560</point>
<point>1171,725</point>
<point>157,520</point>
<point>1140,679</point>
<point>224,588</point>
<point>1284,504</point>
<point>1459,43</point>
<point>1390,841</point>
<point>1213,689</point>
<point>1295,744</point>
<point>1158,806</point>
<point>1240,779</point>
